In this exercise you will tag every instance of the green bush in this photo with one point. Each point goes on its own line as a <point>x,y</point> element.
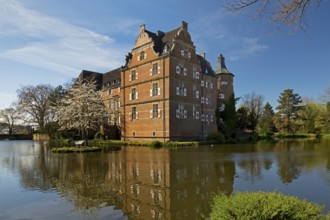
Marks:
<point>263,206</point>
<point>155,144</point>
<point>216,136</point>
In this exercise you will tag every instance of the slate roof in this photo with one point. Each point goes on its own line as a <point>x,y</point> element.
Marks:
<point>112,78</point>
<point>162,39</point>
<point>205,66</point>
<point>89,75</point>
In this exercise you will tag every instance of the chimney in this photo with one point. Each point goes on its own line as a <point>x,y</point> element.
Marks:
<point>184,25</point>
<point>142,28</point>
<point>203,55</point>
<point>160,33</point>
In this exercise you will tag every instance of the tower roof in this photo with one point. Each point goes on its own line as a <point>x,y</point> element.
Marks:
<point>221,66</point>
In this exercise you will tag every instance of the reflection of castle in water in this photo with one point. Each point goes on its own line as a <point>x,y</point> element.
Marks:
<point>164,185</point>
<point>161,184</point>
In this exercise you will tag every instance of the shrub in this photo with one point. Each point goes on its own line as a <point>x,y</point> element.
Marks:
<point>216,136</point>
<point>263,205</point>
<point>155,144</point>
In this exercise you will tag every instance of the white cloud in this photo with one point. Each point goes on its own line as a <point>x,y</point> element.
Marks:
<point>217,27</point>
<point>54,44</point>
<point>246,47</point>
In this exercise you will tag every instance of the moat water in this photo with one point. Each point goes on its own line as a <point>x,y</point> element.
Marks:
<point>146,183</point>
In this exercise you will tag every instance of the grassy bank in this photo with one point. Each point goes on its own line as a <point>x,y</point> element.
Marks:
<point>61,143</point>
<point>75,149</point>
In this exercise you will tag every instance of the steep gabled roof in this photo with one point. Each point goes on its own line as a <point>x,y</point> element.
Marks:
<point>169,37</point>
<point>205,66</point>
<point>91,75</point>
<point>112,78</point>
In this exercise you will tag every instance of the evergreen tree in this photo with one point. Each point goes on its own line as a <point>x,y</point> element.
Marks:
<point>288,108</point>
<point>226,118</point>
<point>266,124</point>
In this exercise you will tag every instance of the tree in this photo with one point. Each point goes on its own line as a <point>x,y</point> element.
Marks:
<point>265,123</point>
<point>289,12</point>
<point>308,114</point>
<point>9,116</point>
<point>242,118</point>
<point>34,102</point>
<point>322,120</point>
<point>82,108</point>
<point>287,111</point>
<point>226,118</point>
<point>253,103</point>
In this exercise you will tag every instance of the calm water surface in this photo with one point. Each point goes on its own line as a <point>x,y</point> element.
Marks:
<point>145,183</point>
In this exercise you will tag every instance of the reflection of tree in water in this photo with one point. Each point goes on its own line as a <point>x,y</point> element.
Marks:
<point>287,159</point>
<point>35,169</point>
<point>87,192</point>
<point>82,182</point>
<point>253,169</point>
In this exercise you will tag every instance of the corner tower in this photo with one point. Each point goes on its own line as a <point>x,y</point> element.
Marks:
<point>225,80</point>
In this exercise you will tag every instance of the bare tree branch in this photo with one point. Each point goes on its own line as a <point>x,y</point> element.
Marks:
<point>289,12</point>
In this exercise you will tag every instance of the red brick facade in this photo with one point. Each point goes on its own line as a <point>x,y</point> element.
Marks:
<point>165,90</point>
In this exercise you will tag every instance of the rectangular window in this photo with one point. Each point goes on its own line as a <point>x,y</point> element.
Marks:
<point>133,94</point>
<point>155,69</point>
<point>222,107</point>
<point>206,84</point>
<point>180,90</point>
<point>197,75</point>
<point>133,75</point>
<point>181,70</point>
<point>185,71</point>
<point>194,72</point>
<point>155,89</point>
<point>202,100</point>
<point>221,96</point>
<point>155,110</point>
<point>194,91</point>
<point>181,112</point>
<point>202,83</point>
<point>133,112</point>
<point>142,55</point>
<point>115,105</point>
<point>224,82</point>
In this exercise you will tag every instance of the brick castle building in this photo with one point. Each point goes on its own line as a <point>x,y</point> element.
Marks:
<point>165,91</point>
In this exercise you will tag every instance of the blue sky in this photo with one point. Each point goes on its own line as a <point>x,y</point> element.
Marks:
<point>50,42</point>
